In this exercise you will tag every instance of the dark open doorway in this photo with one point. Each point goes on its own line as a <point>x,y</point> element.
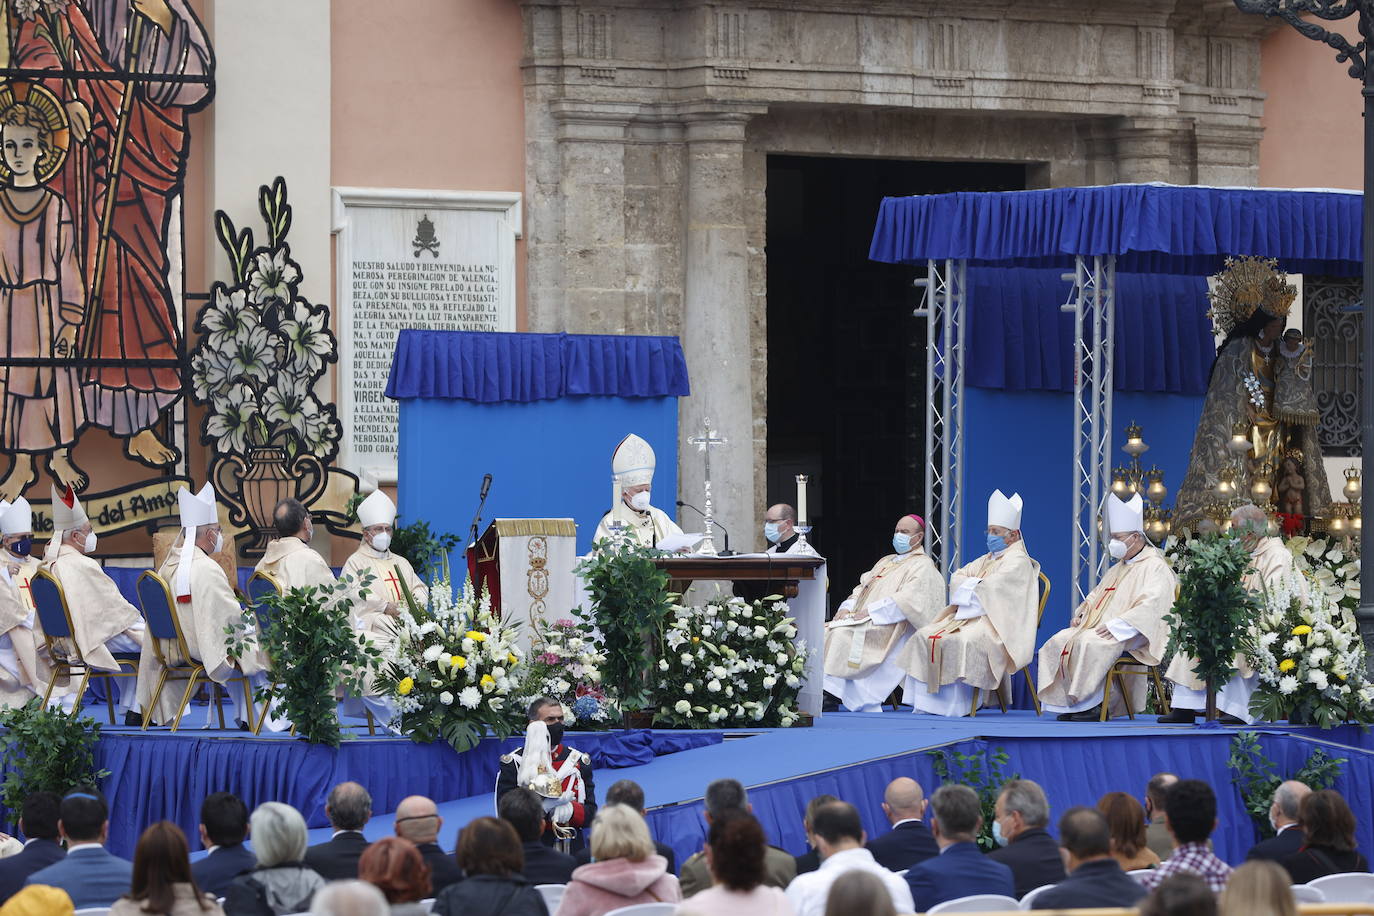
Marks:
<point>846,359</point>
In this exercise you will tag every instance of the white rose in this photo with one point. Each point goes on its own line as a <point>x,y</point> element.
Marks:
<point>682,707</point>
<point>729,691</point>
<point>793,681</point>
<point>663,664</point>
<point>446,698</point>
<point>688,688</point>
<point>713,685</point>
<point>782,658</point>
<point>561,686</point>
<point>768,682</point>
<point>760,632</point>
<point>718,671</point>
<point>747,613</point>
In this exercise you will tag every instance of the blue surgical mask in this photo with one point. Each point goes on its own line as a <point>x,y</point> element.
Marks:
<point>770,531</point>
<point>997,836</point>
<point>22,547</point>
<point>901,542</point>
<point>996,543</point>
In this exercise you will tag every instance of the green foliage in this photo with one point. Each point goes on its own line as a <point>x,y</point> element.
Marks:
<point>46,750</point>
<point>1253,774</point>
<point>630,602</point>
<point>426,550</point>
<point>967,770</point>
<point>312,649</point>
<point>1212,609</point>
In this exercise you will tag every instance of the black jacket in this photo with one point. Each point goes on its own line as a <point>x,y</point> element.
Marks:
<point>1033,858</point>
<point>584,855</point>
<point>1278,848</point>
<point>1100,883</point>
<point>808,861</point>
<point>544,865</point>
<point>443,868</point>
<point>337,859</point>
<point>903,846</point>
<point>35,855</point>
<point>1319,861</point>
<point>214,872</point>
<point>487,895</point>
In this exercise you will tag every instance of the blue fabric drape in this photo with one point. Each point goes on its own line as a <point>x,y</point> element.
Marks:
<point>1019,339</point>
<point>494,368</point>
<point>1150,228</point>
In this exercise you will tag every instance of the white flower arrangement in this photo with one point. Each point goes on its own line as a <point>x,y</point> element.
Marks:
<point>565,662</point>
<point>1335,570</point>
<point>741,667</point>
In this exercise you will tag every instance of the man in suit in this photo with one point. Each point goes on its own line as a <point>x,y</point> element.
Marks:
<point>810,860</point>
<point>779,868</point>
<point>1095,879</point>
<point>1283,815</point>
<point>349,808</point>
<point>838,835</point>
<point>628,792</point>
<point>223,828</point>
<point>960,869</point>
<point>89,874</point>
<point>909,841</point>
<point>1020,817</point>
<point>418,820</point>
<point>1157,835</point>
<point>38,823</point>
<point>524,810</point>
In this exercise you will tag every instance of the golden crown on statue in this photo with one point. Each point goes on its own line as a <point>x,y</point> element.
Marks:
<point>1249,283</point>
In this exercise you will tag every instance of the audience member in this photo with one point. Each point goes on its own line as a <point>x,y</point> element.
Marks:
<point>1095,879</point>
<point>1258,888</point>
<point>418,820</point>
<point>624,870</point>
<point>223,828</point>
<point>909,841</point>
<point>838,836</point>
<point>729,795</point>
<point>280,883</point>
<point>1126,824</point>
<point>524,811</point>
<point>349,898</point>
<point>349,808</point>
<point>735,854</point>
<point>489,854</point>
<point>629,792</point>
<point>1283,817</point>
<point>1019,820</point>
<point>38,900</point>
<point>162,881</point>
<point>1190,813</point>
<point>89,874</point>
<point>1181,894</point>
<point>1156,834</point>
<point>811,859</point>
<point>859,892</point>
<point>960,869</point>
<point>1328,827</point>
<point>38,823</point>
<point>395,867</point>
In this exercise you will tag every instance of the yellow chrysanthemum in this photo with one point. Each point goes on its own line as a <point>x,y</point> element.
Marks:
<point>476,636</point>
<point>1287,665</point>
<point>406,686</point>
<point>510,657</point>
<point>1301,629</point>
<point>696,639</point>
<point>459,661</point>
<point>488,679</point>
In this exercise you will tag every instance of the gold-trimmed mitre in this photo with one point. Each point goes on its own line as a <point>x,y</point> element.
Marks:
<point>1248,283</point>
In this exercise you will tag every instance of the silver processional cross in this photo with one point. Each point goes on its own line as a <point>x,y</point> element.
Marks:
<point>704,443</point>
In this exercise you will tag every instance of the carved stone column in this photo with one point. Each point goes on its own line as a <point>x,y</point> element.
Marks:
<point>1154,149</point>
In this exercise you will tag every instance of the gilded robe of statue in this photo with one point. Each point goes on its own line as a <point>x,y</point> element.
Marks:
<point>99,611</point>
<point>1131,601</point>
<point>647,528</point>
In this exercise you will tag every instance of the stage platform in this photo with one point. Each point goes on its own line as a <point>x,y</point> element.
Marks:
<point>159,775</point>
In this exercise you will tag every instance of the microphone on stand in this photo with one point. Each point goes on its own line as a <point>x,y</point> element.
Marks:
<point>481,504</point>
<point>727,552</point>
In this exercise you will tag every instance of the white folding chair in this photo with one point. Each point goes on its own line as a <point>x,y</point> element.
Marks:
<point>93,911</point>
<point>1028,901</point>
<point>1346,887</point>
<point>552,894</point>
<point>1306,893</point>
<point>1138,873</point>
<point>976,903</point>
<point>428,904</point>
<point>646,909</point>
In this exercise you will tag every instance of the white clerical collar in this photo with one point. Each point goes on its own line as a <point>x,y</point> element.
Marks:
<point>1140,555</point>
<point>368,550</point>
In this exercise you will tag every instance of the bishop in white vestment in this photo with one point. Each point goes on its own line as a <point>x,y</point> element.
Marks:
<point>633,466</point>
<point>23,655</point>
<point>377,515</point>
<point>103,621</point>
<point>1124,613</point>
<point>1270,563</point>
<point>987,632</point>
<point>863,643</point>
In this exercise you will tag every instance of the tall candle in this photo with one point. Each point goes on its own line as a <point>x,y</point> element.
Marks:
<point>615,491</point>
<point>801,500</point>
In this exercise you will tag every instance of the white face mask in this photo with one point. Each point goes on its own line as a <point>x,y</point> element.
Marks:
<point>219,542</point>
<point>89,546</point>
<point>381,542</point>
<point>1117,548</point>
<point>640,501</point>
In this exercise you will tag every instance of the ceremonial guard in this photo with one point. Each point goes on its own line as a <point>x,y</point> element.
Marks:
<point>559,774</point>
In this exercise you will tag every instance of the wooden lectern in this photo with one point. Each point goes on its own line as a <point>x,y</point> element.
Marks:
<point>526,566</point>
<point>782,571</point>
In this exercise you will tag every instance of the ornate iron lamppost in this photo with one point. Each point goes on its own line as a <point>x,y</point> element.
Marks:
<point>1307,16</point>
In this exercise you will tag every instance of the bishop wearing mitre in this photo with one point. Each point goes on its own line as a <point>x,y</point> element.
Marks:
<point>1123,614</point>
<point>377,516</point>
<point>205,606</point>
<point>863,643</point>
<point>633,467</point>
<point>1270,564</point>
<point>103,622</point>
<point>22,656</point>
<point>987,632</point>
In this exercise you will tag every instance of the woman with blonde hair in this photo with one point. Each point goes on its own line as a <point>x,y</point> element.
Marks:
<point>1126,824</point>
<point>625,869</point>
<point>1258,888</point>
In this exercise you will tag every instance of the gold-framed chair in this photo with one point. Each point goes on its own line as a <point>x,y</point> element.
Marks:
<point>59,633</point>
<point>1044,584</point>
<point>169,644</point>
<point>1119,672</point>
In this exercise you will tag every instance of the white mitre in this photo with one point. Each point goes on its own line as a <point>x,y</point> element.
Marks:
<point>1125,516</point>
<point>1004,512</point>
<point>377,509</point>
<point>633,462</point>
<point>16,517</point>
<point>66,515</point>
<point>196,509</point>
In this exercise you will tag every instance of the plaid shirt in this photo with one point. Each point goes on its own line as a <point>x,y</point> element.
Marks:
<point>1195,858</point>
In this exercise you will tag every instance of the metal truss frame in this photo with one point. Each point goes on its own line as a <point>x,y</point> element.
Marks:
<point>944,305</point>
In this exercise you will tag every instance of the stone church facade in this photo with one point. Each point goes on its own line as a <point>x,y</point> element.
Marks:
<point>648,126</point>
